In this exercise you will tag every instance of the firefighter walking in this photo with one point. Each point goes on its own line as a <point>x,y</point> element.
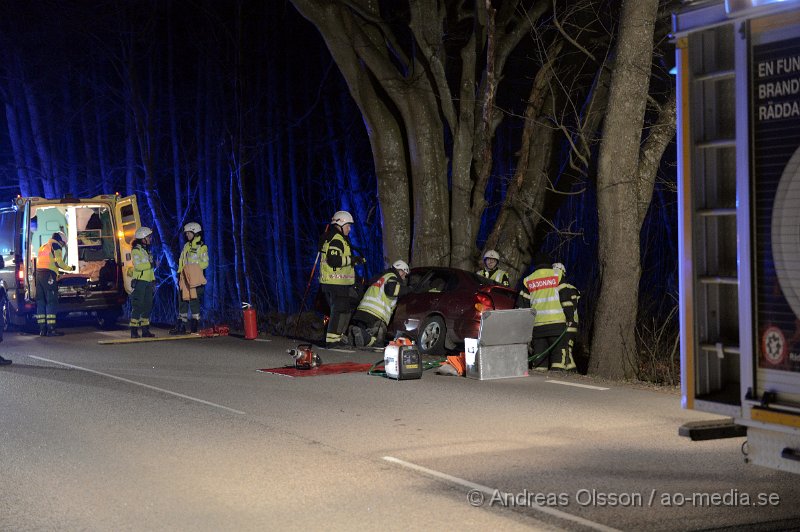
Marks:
<point>337,277</point>
<point>569,296</point>
<point>375,310</point>
<point>191,278</point>
<point>48,262</point>
<point>491,259</point>
<point>143,281</point>
<point>540,292</point>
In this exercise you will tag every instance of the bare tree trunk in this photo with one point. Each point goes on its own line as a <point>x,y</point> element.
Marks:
<point>614,350</point>
<point>42,150</point>
<point>14,134</point>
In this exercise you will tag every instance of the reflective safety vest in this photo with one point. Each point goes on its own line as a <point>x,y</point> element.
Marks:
<point>194,252</point>
<point>142,264</point>
<point>497,275</point>
<point>542,291</point>
<point>51,259</point>
<point>345,275</point>
<point>376,302</point>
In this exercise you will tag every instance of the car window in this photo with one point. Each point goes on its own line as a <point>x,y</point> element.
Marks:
<point>432,281</point>
<point>483,281</point>
<point>7,222</point>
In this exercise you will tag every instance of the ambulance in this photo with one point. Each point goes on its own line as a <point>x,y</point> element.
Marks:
<point>99,233</point>
<point>738,82</point>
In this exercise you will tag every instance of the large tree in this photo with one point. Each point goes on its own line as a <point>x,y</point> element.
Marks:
<point>424,75</point>
<point>626,173</point>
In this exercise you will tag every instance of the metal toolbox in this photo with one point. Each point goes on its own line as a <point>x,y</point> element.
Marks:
<point>501,349</point>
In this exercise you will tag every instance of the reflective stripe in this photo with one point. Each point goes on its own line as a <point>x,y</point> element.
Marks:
<point>375,300</point>
<point>543,284</point>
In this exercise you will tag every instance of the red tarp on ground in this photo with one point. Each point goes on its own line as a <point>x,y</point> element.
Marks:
<point>325,369</point>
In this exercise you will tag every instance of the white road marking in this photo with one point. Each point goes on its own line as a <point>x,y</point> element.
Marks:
<point>491,492</point>
<point>262,339</point>
<point>578,385</point>
<point>340,350</point>
<point>156,388</point>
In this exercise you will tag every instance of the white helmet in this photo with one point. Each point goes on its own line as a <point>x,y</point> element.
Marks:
<point>401,266</point>
<point>559,266</point>
<point>342,218</point>
<point>491,254</point>
<point>192,227</point>
<point>59,236</point>
<point>142,232</point>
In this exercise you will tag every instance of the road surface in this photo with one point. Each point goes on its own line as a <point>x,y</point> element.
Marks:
<point>187,435</point>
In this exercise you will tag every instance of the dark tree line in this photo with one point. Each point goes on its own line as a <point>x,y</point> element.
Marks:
<point>201,110</point>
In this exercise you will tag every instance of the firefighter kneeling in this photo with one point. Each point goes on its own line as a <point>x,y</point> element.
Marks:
<point>372,317</point>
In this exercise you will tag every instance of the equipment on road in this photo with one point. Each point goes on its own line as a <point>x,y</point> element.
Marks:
<point>250,321</point>
<point>129,340</point>
<point>214,330</point>
<point>501,349</point>
<point>304,357</point>
<point>327,369</point>
<point>401,360</point>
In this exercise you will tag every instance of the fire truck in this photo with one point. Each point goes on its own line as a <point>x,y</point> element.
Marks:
<point>738,82</point>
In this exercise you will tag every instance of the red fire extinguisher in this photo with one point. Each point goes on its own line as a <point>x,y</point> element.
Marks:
<point>250,324</point>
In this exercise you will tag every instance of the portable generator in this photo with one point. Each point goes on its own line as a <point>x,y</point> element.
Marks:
<point>401,360</point>
<point>304,357</point>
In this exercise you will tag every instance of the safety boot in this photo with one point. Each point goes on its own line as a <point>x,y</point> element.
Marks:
<point>134,332</point>
<point>194,325</point>
<point>146,333</point>
<point>180,328</point>
<point>42,330</point>
<point>51,331</point>
<point>4,361</point>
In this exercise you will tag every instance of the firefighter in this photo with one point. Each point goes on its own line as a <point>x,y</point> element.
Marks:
<point>337,277</point>
<point>48,262</point>
<point>143,281</point>
<point>491,259</point>
<point>191,278</point>
<point>540,292</point>
<point>375,311</point>
<point>569,296</point>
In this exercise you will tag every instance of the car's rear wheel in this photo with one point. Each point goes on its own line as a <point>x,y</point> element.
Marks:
<point>432,334</point>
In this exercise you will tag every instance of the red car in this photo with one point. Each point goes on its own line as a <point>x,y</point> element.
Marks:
<point>444,307</point>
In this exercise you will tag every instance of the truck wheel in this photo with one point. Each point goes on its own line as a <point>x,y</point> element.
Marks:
<point>431,336</point>
<point>107,319</point>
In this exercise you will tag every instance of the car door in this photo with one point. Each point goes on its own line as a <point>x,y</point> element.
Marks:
<point>126,218</point>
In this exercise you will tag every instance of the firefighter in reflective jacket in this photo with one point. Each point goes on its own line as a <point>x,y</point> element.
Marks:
<point>491,259</point>
<point>143,280</point>
<point>377,306</point>
<point>48,262</point>
<point>337,277</point>
<point>191,278</point>
<point>569,296</point>
<point>540,292</point>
